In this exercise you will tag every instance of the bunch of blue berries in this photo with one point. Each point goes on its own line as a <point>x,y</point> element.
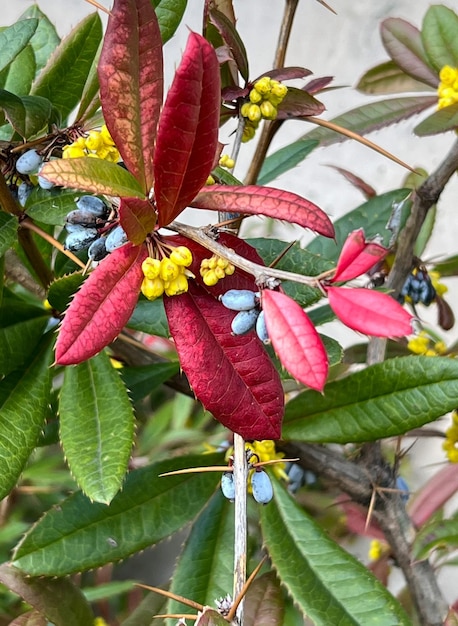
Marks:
<point>250,316</point>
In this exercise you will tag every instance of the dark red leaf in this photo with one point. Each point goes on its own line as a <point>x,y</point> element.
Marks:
<point>232,39</point>
<point>356,518</point>
<point>102,307</point>
<point>188,130</point>
<point>137,217</point>
<point>230,93</point>
<point>131,84</point>
<point>299,103</point>
<point>295,339</point>
<point>257,200</point>
<point>357,256</point>
<point>317,84</point>
<point>231,375</point>
<point>370,312</point>
<point>286,73</point>
<point>356,181</point>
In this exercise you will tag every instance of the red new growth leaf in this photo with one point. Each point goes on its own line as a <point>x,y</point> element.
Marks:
<point>102,307</point>
<point>187,137</point>
<point>231,375</point>
<point>257,200</point>
<point>137,217</point>
<point>370,312</point>
<point>295,339</point>
<point>357,256</point>
<point>131,84</point>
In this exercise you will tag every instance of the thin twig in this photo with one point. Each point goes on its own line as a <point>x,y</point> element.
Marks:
<point>240,514</point>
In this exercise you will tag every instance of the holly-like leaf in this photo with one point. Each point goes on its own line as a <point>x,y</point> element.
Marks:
<point>102,307</point>
<point>18,76</point>
<point>438,35</point>
<point>142,380</point>
<point>18,342</point>
<point>370,312</point>
<point>45,40</point>
<point>232,39</point>
<point>131,84</point>
<point>187,137</point>
<point>357,256</point>
<point>14,39</point>
<point>93,405</point>
<point>284,160</point>
<point>93,175</point>
<point>51,206</point>
<point>299,103</point>
<point>62,290</point>
<point>403,42</point>
<point>267,201</point>
<point>295,339</point>
<point>439,122</point>
<point>388,78</point>
<point>230,374</point>
<point>137,218</point>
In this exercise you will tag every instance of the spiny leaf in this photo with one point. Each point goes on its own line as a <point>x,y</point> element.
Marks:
<point>439,122</point>
<point>387,78</point>
<point>137,218</point>
<point>131,84</point>
<point>142,380</point>
<point>14,39</point>
<point>257,200</point>
<point>188,130</point>
<point>93,407</point>
<point>18,342</point>
<point>62,290</point>
<point>230,374</point>
<point>438,34</point>
<point>102,307</point>
<point>295,339</point>
<point>370,312</point>
<point>51,206</point>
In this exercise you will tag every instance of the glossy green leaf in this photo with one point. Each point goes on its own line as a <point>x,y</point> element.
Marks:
<point>436,534</point>
<point>388,78</point>
<point>104,591</point>
<point>149,317</point>
<point>285,159</point>
<point>90,97</point>
<point>96,426</point>
<point>14,39</point>
<point>205,569</point>
<point>63,78</point>
<point>51,206</point>
<point>152,604</point>
<point>45,39</point>
<point>374,214</point>
<point>331,581</point>
<point>80,535</point>
<point>18,342</point>
<point>141,381</point>
<point>384,400</point>
<point>26,114</point>
<point>58,599</point>
<point>92,175</point>
<point>63,289</point>
<point>24,398</point>
<point>438,34</point>
<point>448,267</point>
<point>439,122</point>
<point>169,14</point>
<point>8,231</point>
<point>321,315</point>
<point>17,309</point>
<point>18,76</point>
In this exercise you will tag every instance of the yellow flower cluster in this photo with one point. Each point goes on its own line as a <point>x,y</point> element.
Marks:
<point>226,161</point>
<point>447,91</point>
<point>377,549</point>
<point>450,444</point>
<point>423,344</point>
<point>264,99</point>
<point>97,144</point>
<point>168,275</point>
<point>265,451</point>
<point>215,268</point>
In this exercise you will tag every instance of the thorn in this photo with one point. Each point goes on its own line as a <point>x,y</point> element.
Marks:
<point>196,470</point>
<point>172,596</point>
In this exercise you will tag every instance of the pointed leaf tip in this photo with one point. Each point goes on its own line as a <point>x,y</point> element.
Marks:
<point>357,256</point>
<point>295,339</point>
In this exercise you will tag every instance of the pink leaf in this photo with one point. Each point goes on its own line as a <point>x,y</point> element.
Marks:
<point>131,84</point>
<point>188,130</point>
<point>231,375</point>
<point>432,496</point>
<point>102,307</point>
<point>137,217</point>
<point>357,256</point>
<point>257,200</point>
<point>370,312</point>
<point>295,339</point>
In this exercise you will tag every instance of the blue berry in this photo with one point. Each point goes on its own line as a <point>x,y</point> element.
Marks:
<point>244,321</point>
<point>403,488</point>
<point>80,239</point>
<point>92,204</point>
<point>45,184</point>
<point>239,299</point>
<point>228,486</point>
<point>80,216</point>
<point>98,249</point>
<point>261,328</point>
<point>262,487</point>
<point>23,192</point>
<point>29,162</point>
<point>116,238</point>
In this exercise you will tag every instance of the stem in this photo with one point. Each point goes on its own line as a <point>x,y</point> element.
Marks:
<point>285,32</point>
<point>27,223</point>
<point>240,514</point>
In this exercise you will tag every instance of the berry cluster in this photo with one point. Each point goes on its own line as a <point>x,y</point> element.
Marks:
<point>447,91</point>
<point>249,316</point>
<point>260,486</point>
<point>264,98</point>
<point>29,164</point>
<point>215,268</point>
<point>418,288</point>
<point>97,144</point>
<point>168,275</point>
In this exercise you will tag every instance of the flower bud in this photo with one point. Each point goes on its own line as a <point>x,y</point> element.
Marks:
<point>268,110</point>
<point>169,270</point>
<point>254,112</point>
<point>177,286</point>
<point>151,268</point>
<point>181,256</point>
<point>152,289</point>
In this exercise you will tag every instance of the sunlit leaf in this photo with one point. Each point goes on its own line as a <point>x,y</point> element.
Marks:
<point>438,34</point>
<point>137,217</point>
<point>14,38</point>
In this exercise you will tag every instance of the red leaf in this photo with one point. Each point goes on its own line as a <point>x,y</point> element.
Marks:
<point>299,103</point>
<point>370,312</point>
<point>268,201</point>
<point>131,84</point>
<point>434,494</point>
<point>231,375</point>
<point>137,217</point>
<point>357,256</point>
<point>187,137</point>
<point>295,339</point>
<point>102,307</point>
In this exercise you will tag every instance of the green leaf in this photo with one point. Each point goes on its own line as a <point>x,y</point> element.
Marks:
<point>438,533</point>
<point>19,74</point>
<point>63,289</point>
<point>331,581</point>
<point>169,14</point>
<point>374,214</point>
<point>93,175</point>
<point>45,39</point>
<point>51,206</point>
<point>80,535</point>
<point>149,317</point>
<point>205,569</point>
<point>63,78</point>
<point>383,400</point>
<point>14,39</point>
<point>8,231</point>
<point>26,114</point>
<point>321,315</point>
<point>141,381</point>
<point>388,78</point>
<point>284,160</point>
<point>90,98</point>
<point>96,426</point>
<point>438,34</point>
<point>448,267</point>
<point>108,590</point>
<point>152,604</point>
<point>18,342</point>
<point>59,600</point>
<point>23,407</point>
<point>439,122</point>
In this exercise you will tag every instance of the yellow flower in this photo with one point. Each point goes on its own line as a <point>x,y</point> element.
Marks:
<point>438,286</point>
<point>151,268</point>
<point>450,444</point>
<point>215,268</point>
<point>265,451</point>
<point>419,344</point>
<point>447,91</point>
<point>177,286</point>
<point>181,256</point>
<point>376,550</point>
<point>152,288</point>
<point>169,270</point>
<point>99,621</point>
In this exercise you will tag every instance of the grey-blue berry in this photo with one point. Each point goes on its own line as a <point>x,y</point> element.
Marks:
<point>29,162</point>
<point>261,486</point>
<point>23,192</point>
<point>93,205</point>
<point>261,328</point>
<point>228,486</point>
<point>239,299</point>
<point>116,238</point>
<point>98,249</point>
<point>244,321</point>
<point>80,239</point>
